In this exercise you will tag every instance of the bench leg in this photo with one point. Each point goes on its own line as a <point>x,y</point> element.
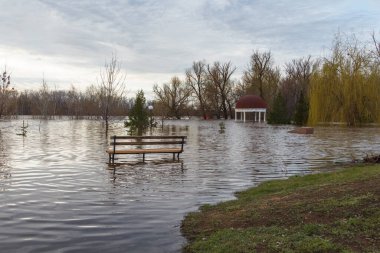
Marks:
<point>109,158</point>
<point>143,157</point>
<point>178,156</point>
<point>113,158</point>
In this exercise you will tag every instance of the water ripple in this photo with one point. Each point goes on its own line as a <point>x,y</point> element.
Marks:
<point>58,194</point>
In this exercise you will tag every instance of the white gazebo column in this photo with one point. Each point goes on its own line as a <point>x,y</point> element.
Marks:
<point>244,116</point>
<point>259,116</point>
<point>255,116</point>
<point>265,116</point>
<point>235,115</point>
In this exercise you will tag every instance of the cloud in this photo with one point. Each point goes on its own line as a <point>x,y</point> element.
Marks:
<point>70,40</point>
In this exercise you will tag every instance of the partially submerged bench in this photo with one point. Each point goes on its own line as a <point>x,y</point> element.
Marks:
<point>128,145</point>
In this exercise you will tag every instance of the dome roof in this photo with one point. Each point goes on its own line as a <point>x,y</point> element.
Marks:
<point>251,101</point>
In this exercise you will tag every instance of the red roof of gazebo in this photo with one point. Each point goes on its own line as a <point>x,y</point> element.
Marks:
<point>251,101</point>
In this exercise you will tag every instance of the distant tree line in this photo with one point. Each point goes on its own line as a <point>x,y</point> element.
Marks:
<point>49,103</point>
<point>342,87</point>
<point>208,90</point>
<point>105,99</point>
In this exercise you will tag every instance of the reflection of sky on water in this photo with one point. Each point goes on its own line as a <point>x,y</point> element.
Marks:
<point>57,191</point>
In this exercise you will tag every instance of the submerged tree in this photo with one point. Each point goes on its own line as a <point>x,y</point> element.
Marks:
<point>295,87</point>
<point>219,75</point>
<point>44,99</point>
<point>111,87</point>
<point>138,117</point>
<point>5,92</point>
<point>262,77</point>
<point>173,97</point>
<point>196,79</point>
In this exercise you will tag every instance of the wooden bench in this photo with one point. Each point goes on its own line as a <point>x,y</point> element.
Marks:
<point>128,145</point>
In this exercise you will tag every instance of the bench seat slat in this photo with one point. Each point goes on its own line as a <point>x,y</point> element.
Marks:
<point>138,143</point>
<point>149,137</point>
<point>145,151</point>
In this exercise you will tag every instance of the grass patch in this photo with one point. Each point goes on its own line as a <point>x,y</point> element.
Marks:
<point>328,212</point>
<point>271,239</point>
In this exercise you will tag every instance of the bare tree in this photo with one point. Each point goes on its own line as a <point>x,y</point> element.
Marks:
<point>111,87</point>
<point>174,97</point>
<point>298,72</point>
<point>91,103</point>
<point>296,83</point>
<point>44,98</point>
<point>261,76</point>
<point>73,100</point>
<point>54,101</point>
<point>226,89</point>
<point>24,103</point>
<point>196,79</point>
<point>377,45</point>
<point>5,92</point>
<point>220,77</point>
<point>213,98</point>
<point>240,89</point>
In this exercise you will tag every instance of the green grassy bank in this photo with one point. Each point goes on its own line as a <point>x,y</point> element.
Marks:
<point>327,212</point>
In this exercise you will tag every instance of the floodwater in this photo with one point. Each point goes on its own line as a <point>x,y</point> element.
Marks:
<point>57,194</point>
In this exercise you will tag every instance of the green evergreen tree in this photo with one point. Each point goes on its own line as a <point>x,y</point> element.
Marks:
<point>302,111</point>
<point>138,118</point>
<point>278,113</point>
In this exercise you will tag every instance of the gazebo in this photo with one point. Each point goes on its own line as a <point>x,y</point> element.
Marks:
<point>251,104</point>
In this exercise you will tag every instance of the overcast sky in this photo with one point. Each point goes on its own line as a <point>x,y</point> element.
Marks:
<point>68,41</point>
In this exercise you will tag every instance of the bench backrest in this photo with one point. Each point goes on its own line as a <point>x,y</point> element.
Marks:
<point>147,140</point>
